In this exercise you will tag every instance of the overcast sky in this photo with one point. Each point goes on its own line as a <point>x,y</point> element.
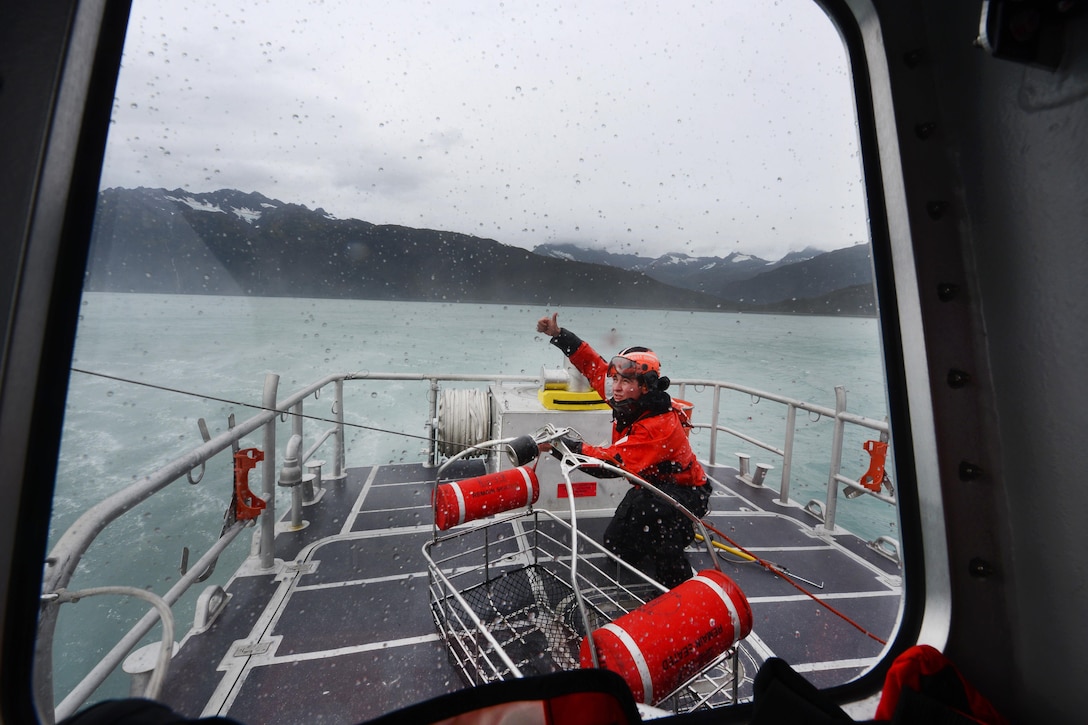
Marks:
<point>646,127</point>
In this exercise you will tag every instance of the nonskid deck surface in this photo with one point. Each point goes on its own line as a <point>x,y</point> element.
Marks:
<point>829,641</point>
<point>341,630</point>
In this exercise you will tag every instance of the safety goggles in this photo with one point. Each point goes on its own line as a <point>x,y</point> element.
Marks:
<point>623,367</point>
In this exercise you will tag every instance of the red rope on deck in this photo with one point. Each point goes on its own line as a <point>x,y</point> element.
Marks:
<point>784,576</point>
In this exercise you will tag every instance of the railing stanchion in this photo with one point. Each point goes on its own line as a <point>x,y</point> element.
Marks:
<point>268,475</point>
<point>432,425</point>
<point>787,453</point>
<point>715,412</point>
<point>836,459</point>
<point>338,458</point>
<point>297,416</point>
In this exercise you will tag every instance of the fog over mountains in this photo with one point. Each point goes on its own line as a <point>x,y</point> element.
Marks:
<point>230,242</point>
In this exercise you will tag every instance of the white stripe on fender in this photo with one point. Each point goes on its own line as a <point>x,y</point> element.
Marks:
<point>460,502</point>
<point>730,605</point>
<point>528,484</point>
<point>636,656</point>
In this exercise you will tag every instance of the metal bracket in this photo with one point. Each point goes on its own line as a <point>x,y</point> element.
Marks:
<point>248,649</point>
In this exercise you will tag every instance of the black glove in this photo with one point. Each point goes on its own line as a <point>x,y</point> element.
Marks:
<point>574,446</point>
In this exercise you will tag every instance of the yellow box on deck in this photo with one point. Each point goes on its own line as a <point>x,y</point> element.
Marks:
<point>566,400</point>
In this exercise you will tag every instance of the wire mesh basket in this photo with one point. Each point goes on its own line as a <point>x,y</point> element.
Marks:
<point>503,599</point>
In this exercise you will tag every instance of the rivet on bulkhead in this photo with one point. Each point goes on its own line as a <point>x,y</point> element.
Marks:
<point>936,209</point>
<point>979,567</point>
<point>925,130</point>
<point>958,378</point>
<point>969,471</point>
<point>947,291</point>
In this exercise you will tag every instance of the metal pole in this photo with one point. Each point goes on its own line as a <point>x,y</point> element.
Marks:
<point>338,444</point>
<point>714,424</point>
<point>296,420</point>
<point>432,425</point>
<point>291,477</point>
<point>836,459</point>
<point>787,453</point>
<point>268,475</point>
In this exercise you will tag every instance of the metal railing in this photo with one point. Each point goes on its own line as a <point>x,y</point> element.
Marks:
<point>840,417</point>
<point>73,543</point>
<point>66,555</point>
<point>62,561</point>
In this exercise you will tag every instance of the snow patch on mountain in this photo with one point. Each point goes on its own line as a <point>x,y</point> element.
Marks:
<point>245,214</point>
<point>197,205</point>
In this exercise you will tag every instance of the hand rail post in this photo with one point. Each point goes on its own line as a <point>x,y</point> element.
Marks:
<point>787,453</point>
<point>432,425</point>
<point>836,459</point>
<point>297,418</point>
<point>268,475</point>
<point>338,445</point>
<point>714,414</point>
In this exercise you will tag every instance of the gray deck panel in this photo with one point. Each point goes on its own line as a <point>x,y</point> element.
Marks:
<point>354,687</point>
<point>395,554</point>
<point>370,593</point>
<point>814,634</point>
<point>355,615</point>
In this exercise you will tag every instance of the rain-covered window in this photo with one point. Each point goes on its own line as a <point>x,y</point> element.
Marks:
<point>325,236</point>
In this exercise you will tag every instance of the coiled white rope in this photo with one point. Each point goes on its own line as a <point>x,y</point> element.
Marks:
<point>464,419</point>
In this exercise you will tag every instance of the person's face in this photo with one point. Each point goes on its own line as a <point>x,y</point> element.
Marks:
<point>625,388</point>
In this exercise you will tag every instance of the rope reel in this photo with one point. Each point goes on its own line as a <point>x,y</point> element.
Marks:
<point>464,419</point>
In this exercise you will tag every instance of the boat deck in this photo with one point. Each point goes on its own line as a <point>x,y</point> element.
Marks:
<point>341,630</point>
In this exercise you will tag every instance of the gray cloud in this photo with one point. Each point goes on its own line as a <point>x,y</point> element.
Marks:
<point>642,126</point>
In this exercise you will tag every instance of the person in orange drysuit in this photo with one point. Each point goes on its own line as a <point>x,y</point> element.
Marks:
<point>650,440</point>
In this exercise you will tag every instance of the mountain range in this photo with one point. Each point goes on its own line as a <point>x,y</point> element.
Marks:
<point>230,242</point>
